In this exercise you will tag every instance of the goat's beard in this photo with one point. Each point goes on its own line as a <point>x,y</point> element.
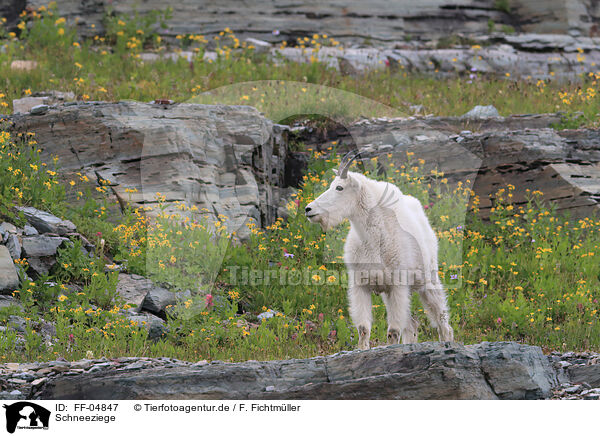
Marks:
<point>322,220</point>
<point>324,223</point>
<point>327,221</point>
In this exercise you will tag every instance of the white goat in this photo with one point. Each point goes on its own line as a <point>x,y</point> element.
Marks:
<point>391,250</point>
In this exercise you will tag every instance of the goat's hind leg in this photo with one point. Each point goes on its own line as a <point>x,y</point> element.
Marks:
<point>433,298</point>
<point>400,321</point>
<point>360,312</point>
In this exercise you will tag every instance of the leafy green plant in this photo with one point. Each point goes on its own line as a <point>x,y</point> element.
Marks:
<point>24,179</point>
<point>502,5</point>
<point>569,121</point>
<point>508,29</point>
<point>501,271</point>
<point>73,263</point>
<point>132,33</point>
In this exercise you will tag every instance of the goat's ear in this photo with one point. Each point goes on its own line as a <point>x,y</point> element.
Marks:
<point>335,172</point>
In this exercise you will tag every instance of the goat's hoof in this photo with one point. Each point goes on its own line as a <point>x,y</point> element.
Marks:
<point>393,337</point>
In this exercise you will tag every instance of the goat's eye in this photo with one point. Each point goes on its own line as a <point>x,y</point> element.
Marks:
<point>339,188</point>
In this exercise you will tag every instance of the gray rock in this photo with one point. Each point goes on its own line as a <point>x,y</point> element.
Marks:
<point>259,45</point>
<point>8,228</point>
<point>493,60</point>
<point>417,109</point>
<point>482,112</point>
<point>545,28</point>
<point>416,371</point>
<point>47,329</point>
<point>24,376</point>
<point>12,395</point>
<point>14,246</point>
<point>174,56</point>
<point>132,288</point>
<point>99,367</point>
<point>266,315</point>
<point>157,299</point>
<point>574,389</point>
<point>349,20</point>
<point>9,280</point>
<point>30,230</point>
<point>516,371</point>
<point>55,96</point>
<point>40,266</point>
<point>210,56</point>
<point>227,159</point>
<point>153,324</point>
<point>45,222</point>
<point>25,104</point>
<point>9,301</point>
<point>589,374</point>
<point>39,102</point>
<point>41,245</point>
<point>149,57</point>
<point>135,365</point>
<point>522,150</point>
<point>17,323</point>
<point>40,109</point>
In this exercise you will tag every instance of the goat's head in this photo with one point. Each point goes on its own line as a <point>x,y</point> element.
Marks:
<point>339,200</point>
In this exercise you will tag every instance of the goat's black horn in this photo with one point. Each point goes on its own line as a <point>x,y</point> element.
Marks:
<point>347,156</point>
<point>346,162</point>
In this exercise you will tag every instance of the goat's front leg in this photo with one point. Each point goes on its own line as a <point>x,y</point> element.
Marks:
<point>360,312</point>
<point>400,321</point>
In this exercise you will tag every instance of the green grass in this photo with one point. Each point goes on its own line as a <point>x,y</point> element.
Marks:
<point>108,68</point>
<point>527,274</point>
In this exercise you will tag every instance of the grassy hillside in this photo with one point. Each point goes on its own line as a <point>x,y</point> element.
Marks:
<point>527,274</point>
<point>110,68</point>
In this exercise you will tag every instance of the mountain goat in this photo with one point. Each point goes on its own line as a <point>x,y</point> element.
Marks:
<point>391,250</point>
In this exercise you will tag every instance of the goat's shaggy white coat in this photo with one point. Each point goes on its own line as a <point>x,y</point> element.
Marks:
<point>391,249</point>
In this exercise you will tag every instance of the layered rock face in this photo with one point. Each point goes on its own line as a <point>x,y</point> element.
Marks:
<point>227,160</point>
<point>491,152</point>
<point>430,370</point>
<point>232,161</point>
<point>546,57</point>
<point>548,40</point>
<point>378,20</point>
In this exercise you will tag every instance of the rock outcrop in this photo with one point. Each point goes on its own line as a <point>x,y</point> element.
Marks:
<point>9,280</point>
<point>548,39</point>
<point>226,159</point>
<point>427,370</point>
<point>491,153</point>
<point>354,20</point>
<point>37,243</point>
<point>40,100</point>
<point>420,371</point>
<point>538,60</point>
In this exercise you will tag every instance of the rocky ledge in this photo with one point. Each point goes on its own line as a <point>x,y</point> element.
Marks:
<point>227,160</point>
<point>486,150</point>
<point>232,161</point>
<point>430,370</point>
<point>348,20</point>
